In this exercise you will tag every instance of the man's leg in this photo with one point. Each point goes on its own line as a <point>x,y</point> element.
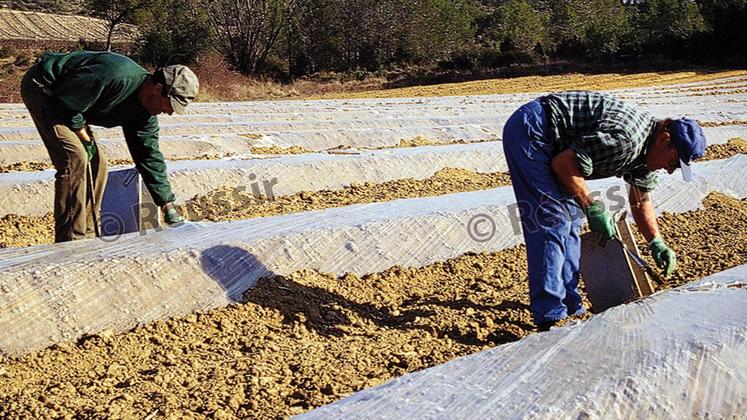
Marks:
<point>99,172</point>
<point>572,260</point>
<point>69,159</point>
<point>544,216</point>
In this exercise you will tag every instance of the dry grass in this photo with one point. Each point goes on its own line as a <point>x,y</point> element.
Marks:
<point>219,83</point>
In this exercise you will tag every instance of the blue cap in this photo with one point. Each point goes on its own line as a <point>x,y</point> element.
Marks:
<point>690,142</point>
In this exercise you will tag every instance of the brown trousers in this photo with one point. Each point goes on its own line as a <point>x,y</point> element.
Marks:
<point>73,210</point>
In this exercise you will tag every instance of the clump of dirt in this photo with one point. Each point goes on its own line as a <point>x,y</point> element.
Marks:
<point>735,146</point>
<point>415,142</point>
<point>251,136</point>
<point>275,150</point>
<point>25,166</point>
<point>307,339</point>
<point>18,231</point>
<point>235,204</point>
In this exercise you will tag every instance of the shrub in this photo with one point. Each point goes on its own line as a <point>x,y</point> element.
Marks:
<point>8,51</point>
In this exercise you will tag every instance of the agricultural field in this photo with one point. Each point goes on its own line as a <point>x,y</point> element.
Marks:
<point>331,248</point>
<point>48,27</point>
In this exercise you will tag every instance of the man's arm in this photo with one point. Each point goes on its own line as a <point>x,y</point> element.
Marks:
<point>568,173</point>
<point>142,140</point>
<point>643,213</point>
<point>566,170</point>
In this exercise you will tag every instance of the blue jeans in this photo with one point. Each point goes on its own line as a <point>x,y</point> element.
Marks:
<point>550,218</point>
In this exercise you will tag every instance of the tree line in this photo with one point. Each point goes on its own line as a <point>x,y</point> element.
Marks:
<point>292,38</point>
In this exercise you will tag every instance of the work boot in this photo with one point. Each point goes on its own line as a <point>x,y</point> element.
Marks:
<point>546,325</point>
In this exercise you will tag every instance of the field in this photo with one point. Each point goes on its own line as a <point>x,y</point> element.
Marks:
<point>329,250</point>
<point>47,27</point>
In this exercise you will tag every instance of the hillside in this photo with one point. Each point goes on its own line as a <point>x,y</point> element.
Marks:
<point>22,26</point>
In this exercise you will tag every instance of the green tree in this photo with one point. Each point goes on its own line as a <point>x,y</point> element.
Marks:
<point>432,30</point>
<point>661,21</point>
<point>172,31</point>
<point>589,27</point>
<point>520,26</point>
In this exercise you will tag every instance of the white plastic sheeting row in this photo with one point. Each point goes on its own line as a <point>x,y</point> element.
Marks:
<point>676,354</point>
<point>60,292</point>
<point>324,124</point>
<point>31,193</point>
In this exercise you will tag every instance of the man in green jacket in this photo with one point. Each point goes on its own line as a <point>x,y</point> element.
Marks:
<point>64,93</point>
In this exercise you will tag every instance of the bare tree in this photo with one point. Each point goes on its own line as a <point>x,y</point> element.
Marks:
<point>116,12</point>
<point>248,29</point>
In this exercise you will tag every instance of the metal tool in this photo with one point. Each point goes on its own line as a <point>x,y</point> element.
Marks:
<point>92,196</point>
<point>658,278</point>
<point>637,259</point>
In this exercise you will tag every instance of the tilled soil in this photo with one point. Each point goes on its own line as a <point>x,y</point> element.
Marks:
<point>235,204</point>
<point>47,164</point>
<point>275,150</point>
<point>721,123</point>
<point>25,166</point>
<point>706,241</point>
<point>19,231</point>
<point>735,146</point>
<point>557,83</point>
<point>419,141</point>
<point>307,339</point>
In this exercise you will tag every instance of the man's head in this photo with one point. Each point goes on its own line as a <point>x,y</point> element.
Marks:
<point>677,143</point>
<point>169,89</point>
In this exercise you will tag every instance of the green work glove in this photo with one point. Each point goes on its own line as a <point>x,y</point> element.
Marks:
<point>170,215</point>
<point>600,220</point>
<point>663,255</point>
<point>90,147</point>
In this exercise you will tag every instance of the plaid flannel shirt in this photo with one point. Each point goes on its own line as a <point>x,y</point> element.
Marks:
<point>608,135</point>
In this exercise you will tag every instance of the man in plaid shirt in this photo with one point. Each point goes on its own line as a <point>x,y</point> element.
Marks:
<point>556,142</point>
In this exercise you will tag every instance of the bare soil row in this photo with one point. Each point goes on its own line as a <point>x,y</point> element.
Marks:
<point>307,339</point>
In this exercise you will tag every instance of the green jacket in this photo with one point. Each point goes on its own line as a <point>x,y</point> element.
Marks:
<point>101,88</point>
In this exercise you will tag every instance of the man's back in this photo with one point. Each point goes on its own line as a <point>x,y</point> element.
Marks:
<point>88,86</point>
<point>608,135</point>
